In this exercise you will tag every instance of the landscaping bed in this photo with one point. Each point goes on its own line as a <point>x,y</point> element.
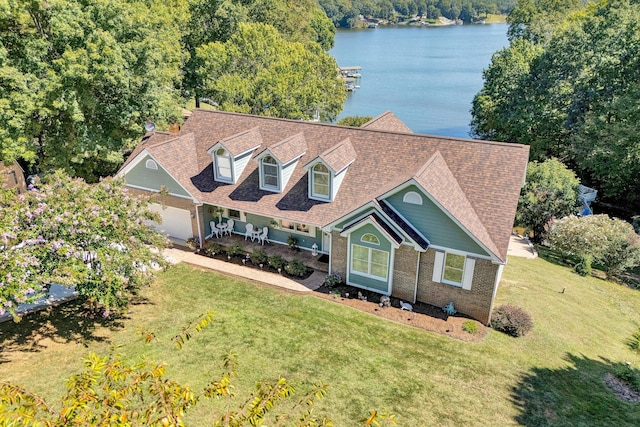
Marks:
<point>423,316</point>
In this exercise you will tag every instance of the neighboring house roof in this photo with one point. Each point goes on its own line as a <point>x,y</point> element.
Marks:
<point>387,121</point>
<point>476,182</point>
<point>12,176</point>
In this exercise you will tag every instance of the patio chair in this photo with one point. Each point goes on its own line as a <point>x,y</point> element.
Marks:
<point>249,232</point>
<point>215,231</point>
<point>263,237</point>
<point>229,228</point>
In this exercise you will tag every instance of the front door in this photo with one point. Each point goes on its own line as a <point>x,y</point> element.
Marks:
<point>326,243</point>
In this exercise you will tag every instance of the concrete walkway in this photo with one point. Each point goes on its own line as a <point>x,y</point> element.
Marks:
<point>313,282</point>
<point>521,247</point>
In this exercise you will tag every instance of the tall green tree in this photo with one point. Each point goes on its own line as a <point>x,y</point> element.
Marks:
<point>550,191</point>
<point>93,237</point>
<point>257,71</point>
<point>573,96</point>
<point>83,77</point>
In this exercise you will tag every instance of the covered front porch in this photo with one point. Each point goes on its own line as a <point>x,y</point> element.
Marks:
<point>318,262</point>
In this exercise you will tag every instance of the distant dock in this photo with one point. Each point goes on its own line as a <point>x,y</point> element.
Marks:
<point>354,71</point>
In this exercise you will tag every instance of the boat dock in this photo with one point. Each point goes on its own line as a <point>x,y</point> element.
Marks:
<point>354,71</point>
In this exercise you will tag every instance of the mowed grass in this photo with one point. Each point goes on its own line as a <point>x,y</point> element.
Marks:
<point>553,376</point>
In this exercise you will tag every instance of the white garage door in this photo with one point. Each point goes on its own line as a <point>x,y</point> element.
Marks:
<point>175,222</point>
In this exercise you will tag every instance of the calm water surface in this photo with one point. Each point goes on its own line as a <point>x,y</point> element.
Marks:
<point>427,76</point>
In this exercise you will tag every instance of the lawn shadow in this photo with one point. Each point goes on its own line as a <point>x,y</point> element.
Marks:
<point>575,395</point>
<point>69,322</point>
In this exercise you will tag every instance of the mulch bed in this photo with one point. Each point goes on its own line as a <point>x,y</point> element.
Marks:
<point>237,259</point>
<point>423,316</point>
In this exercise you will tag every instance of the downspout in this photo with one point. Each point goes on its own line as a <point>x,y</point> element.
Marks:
<point>200,236</point>
<point>415,289</point>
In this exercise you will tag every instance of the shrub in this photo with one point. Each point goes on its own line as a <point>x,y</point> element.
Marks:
<point>193,243</point>
<point>293,243</point>
<point>332,279</point>
<point>276,261</point>
<point>234,250</point>
<point>511,320</point>
<point>212,248</point>
<point>470,326</point>
<point>259,256</point>
<point>583,267</point>
<point>296,268</point>
<point>612,243</point>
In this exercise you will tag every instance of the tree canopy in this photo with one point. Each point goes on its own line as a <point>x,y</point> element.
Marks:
<point>79,79</point>
<point>550,191</point>
<point>93,237</point>
<point>569,90</point>
<point>257,71</point>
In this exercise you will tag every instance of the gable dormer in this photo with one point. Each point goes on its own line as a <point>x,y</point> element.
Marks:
<point>327,171</point>
<point>231,155</point>
<point>277,162</point>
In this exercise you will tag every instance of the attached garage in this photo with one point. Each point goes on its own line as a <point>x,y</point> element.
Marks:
<point>176,222</point>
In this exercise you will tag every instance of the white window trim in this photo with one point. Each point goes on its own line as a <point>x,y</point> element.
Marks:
<point>263,184</point>
<point>295,231</point>
<point>151,164</point>
<point>313,179</point>
<point>444,269</point>
<point>242,218</point>
<point>412,197</point>
<point>369,275</point>
<point>371,243</point>
<point>216,165</point>
<point>467,271</point>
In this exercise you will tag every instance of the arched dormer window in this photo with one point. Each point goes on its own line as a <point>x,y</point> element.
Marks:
<point>270,174</point>
<point>320,185</point>
<point>151,164</point>
<point>370,238</point>
<point>413,198</point>
<point>223,164</point>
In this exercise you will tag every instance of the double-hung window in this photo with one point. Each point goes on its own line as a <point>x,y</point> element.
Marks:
<point>270,172</point>
<point>369,262</point>
<point>453,269</point>
<point>223,164</point>
<point>320,176</point>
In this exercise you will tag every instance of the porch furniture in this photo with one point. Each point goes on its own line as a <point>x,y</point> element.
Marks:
<point>215,231</point>
<point>229,227</point>
<point>263,236</point>
<point>222,227</point>
<point>249,232</point>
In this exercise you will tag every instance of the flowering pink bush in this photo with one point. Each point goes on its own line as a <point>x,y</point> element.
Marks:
<point>93,237</point>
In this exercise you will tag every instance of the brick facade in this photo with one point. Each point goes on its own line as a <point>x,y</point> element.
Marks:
<point>476,302</point>
<point>404,273</point>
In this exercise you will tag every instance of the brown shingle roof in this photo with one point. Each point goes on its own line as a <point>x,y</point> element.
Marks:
<point>339,156</point>
<point>387,121</point>
<point>243,141</point>
<point>438,180</point>
<point>488,174</point>
<point>289,148</point>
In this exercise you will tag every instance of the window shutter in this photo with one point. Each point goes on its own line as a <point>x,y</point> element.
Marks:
<point>437,267</point>
<point>469,266</point>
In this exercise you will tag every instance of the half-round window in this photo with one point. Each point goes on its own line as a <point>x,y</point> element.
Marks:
<point>151,164</point>
<point>413,198</point>
<point>370,238</point>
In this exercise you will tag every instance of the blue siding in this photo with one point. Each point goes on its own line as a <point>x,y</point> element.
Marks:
<point>275,235</point>
<point>385,245</point>
<point>152,179</point>
<point>433,223</point>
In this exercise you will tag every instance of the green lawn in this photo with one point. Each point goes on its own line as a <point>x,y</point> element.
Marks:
<point>553,376</point>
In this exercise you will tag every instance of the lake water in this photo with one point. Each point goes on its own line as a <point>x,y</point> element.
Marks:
<point>427,76</point>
